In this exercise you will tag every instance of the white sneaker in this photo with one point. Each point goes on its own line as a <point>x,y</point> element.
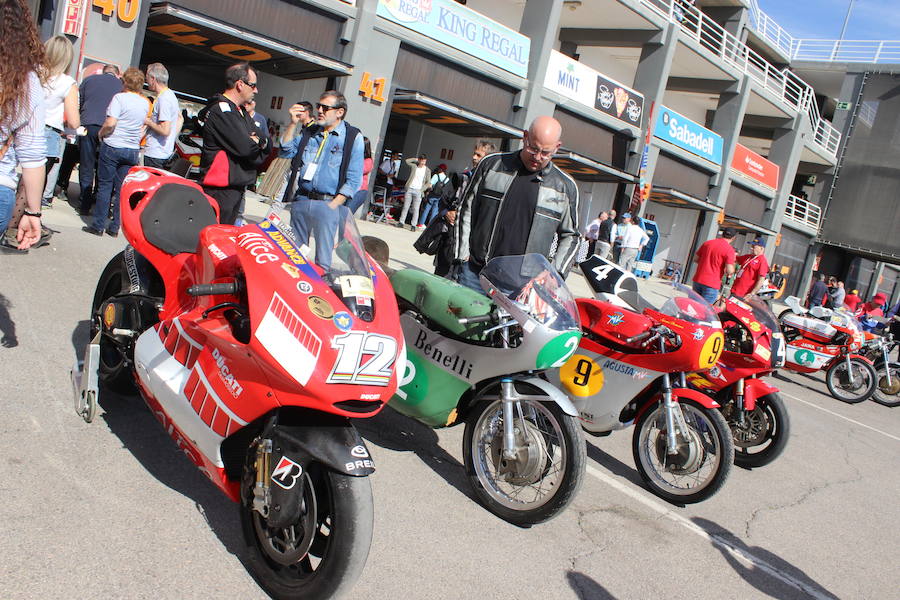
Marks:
<point>420,227</point>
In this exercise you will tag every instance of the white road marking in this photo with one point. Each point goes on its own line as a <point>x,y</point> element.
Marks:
<point>743,556</point>
<point>840,416</point>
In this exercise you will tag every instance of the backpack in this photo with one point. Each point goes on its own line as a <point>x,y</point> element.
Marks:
<point>443,189</point>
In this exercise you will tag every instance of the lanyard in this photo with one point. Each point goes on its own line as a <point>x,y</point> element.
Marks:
<point>321,146</point>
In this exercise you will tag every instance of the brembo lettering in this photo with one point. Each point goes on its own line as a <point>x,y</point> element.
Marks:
<point>453,362</point>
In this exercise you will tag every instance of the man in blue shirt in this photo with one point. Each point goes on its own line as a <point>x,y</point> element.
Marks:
<point>328,167</point>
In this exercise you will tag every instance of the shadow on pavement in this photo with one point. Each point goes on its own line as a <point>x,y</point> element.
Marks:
<point>761,577</point>
<point>613,465</point>
<point>393,431</point>
<point>8,338</point>
<point>587,588</point>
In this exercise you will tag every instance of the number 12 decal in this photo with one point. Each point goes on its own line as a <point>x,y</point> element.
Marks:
<point>352,366</point>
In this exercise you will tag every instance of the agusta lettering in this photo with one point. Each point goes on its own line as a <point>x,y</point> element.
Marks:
<point>225,374</point>
<point>698,141</point>
<point>258,247</point>
<point>619,368</point>
<point>448,361</point>
<point>490,40</point>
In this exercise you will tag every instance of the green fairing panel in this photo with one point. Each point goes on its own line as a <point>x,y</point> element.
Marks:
<point>431,394</point>
<point>441,300</point>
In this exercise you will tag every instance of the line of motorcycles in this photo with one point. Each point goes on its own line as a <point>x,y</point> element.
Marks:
<point>255,360</point>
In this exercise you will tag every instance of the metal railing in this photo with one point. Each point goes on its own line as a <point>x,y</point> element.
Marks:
<point>783,84</point>
<point>766,27</point>
<point>864,51</point>
<point>803,212</point>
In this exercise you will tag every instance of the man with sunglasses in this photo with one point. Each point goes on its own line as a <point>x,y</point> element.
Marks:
<point>518,203</point>
<point>232,148</point>
<point>327,168</point>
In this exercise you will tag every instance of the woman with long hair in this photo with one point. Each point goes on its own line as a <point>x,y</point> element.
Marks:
<point>119,151</point>
<point>22,114</point>
<point>61,97</point>
<point>360,197</point>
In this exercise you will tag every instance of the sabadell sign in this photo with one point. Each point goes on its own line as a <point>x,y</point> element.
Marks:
<point>462,28</point>
<point>677,129</point>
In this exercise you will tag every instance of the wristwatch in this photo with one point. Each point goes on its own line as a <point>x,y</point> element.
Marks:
<point>29,213</point>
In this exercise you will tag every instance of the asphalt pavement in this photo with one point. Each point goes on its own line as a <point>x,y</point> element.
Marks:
<point>113,509</point>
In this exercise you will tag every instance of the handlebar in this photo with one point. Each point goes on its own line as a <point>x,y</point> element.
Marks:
<point>472,320</point>
<point>215,289</point>
<point>641,336</point>
<point>654,331</point>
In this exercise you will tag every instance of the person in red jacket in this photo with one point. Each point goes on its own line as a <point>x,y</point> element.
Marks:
<point>232,148</point>
<point>852,300</point>
<point>752,270</point>
<point>714,259</point>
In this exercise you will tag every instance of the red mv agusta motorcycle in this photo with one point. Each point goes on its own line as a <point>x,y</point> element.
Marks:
<point>822,338</point>
<point>254,359</point>
<point>629,369</point>
<point>754,409</point>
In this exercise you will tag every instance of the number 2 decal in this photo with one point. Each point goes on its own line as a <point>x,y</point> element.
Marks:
<point>353,366</point>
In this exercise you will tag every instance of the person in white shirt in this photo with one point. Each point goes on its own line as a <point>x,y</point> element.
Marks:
<point>633,241</point>
<point>418,182</point>
<point>61,100</point>
<point>163,124</point>
<point>592,231</point>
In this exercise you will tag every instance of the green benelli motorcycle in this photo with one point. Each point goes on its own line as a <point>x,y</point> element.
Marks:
<point>478,359</point>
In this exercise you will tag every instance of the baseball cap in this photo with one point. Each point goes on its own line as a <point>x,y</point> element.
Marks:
<point>626,216</point>
<point>729,232</point>
<point>442,167</point>
<point>758,242</point>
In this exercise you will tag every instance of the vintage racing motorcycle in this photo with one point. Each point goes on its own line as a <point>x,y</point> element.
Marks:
<point>630,369</point>
<point>822,338</point>
<point>477,359</point>
<point>254,360</point>
<point>756,414</point>
<point>878,348</point>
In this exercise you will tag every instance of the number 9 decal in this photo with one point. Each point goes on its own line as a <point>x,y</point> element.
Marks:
<point>712,350</point>
<point>581,376</point>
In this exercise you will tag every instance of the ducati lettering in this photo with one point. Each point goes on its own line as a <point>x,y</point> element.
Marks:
<point>225,374</point>
<point>286,473</point>
<point>216,251</point>
<point>258,246</point>
<point>453,362</point>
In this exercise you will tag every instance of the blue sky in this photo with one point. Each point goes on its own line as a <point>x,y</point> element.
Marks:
<point>822,19</point>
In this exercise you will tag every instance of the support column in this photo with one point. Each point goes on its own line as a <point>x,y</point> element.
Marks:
<point>540,22</point>
<point>372,52</point>
<point>876,275</point>
<point>786,150</point>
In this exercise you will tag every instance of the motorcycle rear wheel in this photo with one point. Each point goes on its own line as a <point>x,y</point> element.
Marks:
<point>702,463</point>
<point>839,385</point>
<point>114,370</point>
<point>341,508</point>
<point>544,478</point>
<point>764,435</point>
<point>884,394</point>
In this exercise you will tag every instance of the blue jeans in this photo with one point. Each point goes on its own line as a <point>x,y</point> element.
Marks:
<point>7,203</point>
<point>467,275</point>
<point>316,217</point>
<point>710,294</point>
<point>358,199</point>
<point>430,210</point>
<point>87,166</point>
<point>112,169</point>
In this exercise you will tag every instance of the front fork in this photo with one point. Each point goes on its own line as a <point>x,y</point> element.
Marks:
<point>261,497</point>
<point>509,398</point>
<point>887,363</point>
<point>673,414</point>
<point>739,410</point>
<point>849,369</point>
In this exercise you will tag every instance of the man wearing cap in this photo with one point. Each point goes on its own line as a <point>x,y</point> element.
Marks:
<point>714,259</point>
<point>752,271</point>
<point>634,238</point>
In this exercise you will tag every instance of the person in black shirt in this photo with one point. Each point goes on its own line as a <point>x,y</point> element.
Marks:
<point>95,94</point>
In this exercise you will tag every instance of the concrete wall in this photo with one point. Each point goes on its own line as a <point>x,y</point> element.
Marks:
<point>676,232</point>
<point>421,138</point>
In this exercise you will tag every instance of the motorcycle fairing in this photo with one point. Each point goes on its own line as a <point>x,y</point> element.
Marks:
<point>808,357</point>
<point>754,389</point>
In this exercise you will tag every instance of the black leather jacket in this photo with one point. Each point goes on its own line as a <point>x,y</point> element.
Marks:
<point>556,216</point>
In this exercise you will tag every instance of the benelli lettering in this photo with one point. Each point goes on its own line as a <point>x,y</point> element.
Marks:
<point>448,361</point>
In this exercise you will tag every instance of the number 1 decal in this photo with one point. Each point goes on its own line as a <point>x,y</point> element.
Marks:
<point>353,367</point>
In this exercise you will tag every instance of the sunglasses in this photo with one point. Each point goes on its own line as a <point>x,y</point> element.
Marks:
<point>325,107</point>
<point>535,151</point>
<point>253,85</point>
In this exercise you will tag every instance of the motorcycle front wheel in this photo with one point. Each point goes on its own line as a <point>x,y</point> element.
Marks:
<point>702,461</point>
<point>887,394</point>
<point>764,432</point>
<point>323,553</point>
<point>864,381</point>
<point>548,468</point>
<point>114,370</point>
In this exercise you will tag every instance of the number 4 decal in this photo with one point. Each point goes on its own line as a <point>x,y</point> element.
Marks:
<point>363,359</point>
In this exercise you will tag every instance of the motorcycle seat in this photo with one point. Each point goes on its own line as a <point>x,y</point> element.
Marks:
<point>176,214</point>
<point>441,300</point>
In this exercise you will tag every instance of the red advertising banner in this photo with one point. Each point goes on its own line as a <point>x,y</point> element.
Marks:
<point>73,17</point>
<point>749,163</point>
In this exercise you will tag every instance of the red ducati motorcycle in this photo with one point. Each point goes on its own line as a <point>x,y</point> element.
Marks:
<point>629,369</point>
<point>254,359</point>
<point>755,412</point>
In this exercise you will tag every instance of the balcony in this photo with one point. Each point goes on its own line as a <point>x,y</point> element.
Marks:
<point>846,51</point>
<point>783,84</point>
<point>803,212</point>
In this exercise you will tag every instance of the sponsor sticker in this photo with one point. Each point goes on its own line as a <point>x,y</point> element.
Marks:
<point>304,287</point>
<point>363,301</point>
<point>615,319</point>
<point>356,285</point>
<point>291,270</point>
<point>343,321</point>
<point>216,251</point>
<point>286,473</point>
<point>359,451</point>
<point>320,307</point>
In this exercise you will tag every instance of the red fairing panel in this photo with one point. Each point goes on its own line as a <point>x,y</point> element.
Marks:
<point>754,389</point>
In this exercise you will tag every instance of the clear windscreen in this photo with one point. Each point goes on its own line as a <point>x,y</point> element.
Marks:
<point>764,314</point>
<point>340,255</point>
<point>678,301</point>
<point>534,287</point>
